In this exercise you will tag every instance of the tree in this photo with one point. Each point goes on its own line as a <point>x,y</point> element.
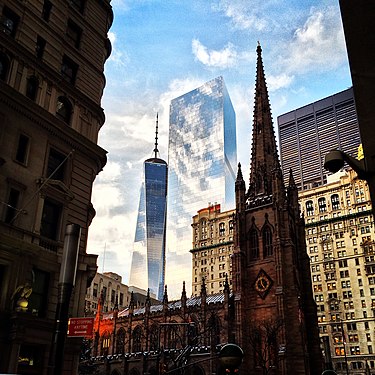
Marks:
<point>263,339</point>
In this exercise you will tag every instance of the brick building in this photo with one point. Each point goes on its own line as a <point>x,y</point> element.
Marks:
<point>52,57</point>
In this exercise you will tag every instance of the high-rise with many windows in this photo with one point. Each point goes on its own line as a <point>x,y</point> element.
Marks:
<point>213,233</point>
<point>148,261</point>
<point>202,158</point>
<point>340,241</point>
<point>52,56</point>
<point>308,133</point>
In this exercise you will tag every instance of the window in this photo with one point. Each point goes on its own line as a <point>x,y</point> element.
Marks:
<point>254,244</point>
<point>49,226</point>
<point>309,208</point>
<point>322,205</point>
<point>9,21</point>
<point>56,165</point>
<point>221,229</point>
<point>73,33</point>
<point>231,226</point>
<point>39,46</point>
<point>39,297</point>
<point>335,201</point>
<point>69,69</point>
<point>64,109</point>
<point>32,87</point>
<point>22,149</point>
<point>4,66</point>
<point>11,208</point>
<point>267,242</point>
<point>95,290</point>
<point>46,11</point>
<point>78,5</point>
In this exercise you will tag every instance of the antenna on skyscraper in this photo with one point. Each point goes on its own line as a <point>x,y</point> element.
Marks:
<point>156,136</point>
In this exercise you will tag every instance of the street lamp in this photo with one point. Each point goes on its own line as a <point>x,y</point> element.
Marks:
<point>230,357</point>
<point>336,159</point>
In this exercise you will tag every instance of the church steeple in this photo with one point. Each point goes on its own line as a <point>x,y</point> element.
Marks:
<point>264,157</point>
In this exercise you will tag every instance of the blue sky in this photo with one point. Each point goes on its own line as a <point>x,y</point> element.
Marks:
<point>165,48</point>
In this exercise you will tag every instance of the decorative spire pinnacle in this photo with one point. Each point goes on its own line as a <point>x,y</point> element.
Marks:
<point>264,151</point>
<point>239,173</point>
<point>165,296</point>
<point>156,151</point>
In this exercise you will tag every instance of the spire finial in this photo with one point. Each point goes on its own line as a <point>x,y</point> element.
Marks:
<point>156,151</point>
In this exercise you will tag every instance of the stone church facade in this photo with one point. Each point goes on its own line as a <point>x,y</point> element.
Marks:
<point>270,311</point>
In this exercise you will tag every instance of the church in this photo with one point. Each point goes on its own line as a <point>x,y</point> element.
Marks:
<point>270,311</point>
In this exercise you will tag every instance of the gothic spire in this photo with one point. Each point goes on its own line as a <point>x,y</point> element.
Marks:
<point>264,157</point>
<point>156,151</point>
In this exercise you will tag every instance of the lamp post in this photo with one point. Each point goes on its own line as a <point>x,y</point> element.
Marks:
<point>66,283</point>
<point>230,358</point>
<point>364,168</point>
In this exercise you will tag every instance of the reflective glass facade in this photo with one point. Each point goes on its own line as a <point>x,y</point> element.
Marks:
<point>148,262</point>
<point>202,159</point>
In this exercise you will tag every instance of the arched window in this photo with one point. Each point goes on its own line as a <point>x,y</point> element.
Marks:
<point>322,205</point>
<point>335,200</point>
<point>221,229</point>
<point>214,330</point>
<point>310,208</point>
<point>120,341</point>
<point>4,66</point>
<point>231,226</point>
<point>64,109</point>
<point>137,339</point>
<point>173,336</point>
<point>267,242</point>
<point>253,244</point>
<point>106,341</point>
<point>154,337</point>
<point>32,87</point>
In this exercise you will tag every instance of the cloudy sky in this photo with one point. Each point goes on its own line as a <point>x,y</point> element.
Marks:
<point>165,48</point>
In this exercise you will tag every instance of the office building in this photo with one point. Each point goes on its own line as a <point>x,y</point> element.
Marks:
<point>213,233</point>
<point>148,260</point>
<point>202,158</point>
<point>52,56</point>
<point>340,239</point>
<point>307,134</point>
<point>270,266</point>
<point>113,291</point>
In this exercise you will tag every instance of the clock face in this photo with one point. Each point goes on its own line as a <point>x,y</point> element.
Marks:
<point>263,284</point>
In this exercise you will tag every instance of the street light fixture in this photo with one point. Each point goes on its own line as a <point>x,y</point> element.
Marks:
<point>230,357</point>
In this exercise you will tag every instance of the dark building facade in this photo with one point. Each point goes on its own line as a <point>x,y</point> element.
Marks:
<point>270,311</point>
<point>148,260</point>
<point>52,57</point>
<point>276,321</point>
<point>308,133</point>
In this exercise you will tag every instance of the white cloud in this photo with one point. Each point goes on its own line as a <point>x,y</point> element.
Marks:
<point>117,56</point>
<point>317,45</point>
<point>275,83</point>
<point>244,15</point>
<point>225,58</point>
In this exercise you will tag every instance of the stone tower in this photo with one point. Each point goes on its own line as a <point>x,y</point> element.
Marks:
<point>277,323</point>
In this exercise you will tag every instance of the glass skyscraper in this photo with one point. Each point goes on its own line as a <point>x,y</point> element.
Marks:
<point>202,159</point>
<point>148,261</point>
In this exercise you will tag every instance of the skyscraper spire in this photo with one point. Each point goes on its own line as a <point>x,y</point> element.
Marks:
<point>264,157</point>
<point>156,151</point>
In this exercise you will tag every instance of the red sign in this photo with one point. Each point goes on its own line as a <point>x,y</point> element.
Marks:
<point>80,327</point>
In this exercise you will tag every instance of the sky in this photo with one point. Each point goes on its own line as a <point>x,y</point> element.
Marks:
<point>162,49</point>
